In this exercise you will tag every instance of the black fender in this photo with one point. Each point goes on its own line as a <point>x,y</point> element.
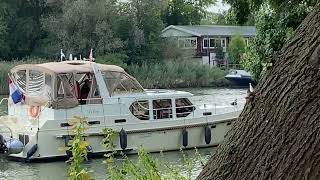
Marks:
<point>32,150</point>
<point>184,137</point>
<point>207,134</point>
<point>66,144</point>
<point>123,139</point>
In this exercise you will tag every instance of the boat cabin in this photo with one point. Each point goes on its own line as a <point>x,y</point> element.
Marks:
<point>69,84</point>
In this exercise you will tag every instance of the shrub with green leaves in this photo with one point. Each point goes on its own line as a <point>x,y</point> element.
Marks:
<point>78,147</point>
<point>236,49</point>
<point>174,74</point>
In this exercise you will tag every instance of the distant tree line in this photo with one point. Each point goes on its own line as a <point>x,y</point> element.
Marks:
<point>40,28</point>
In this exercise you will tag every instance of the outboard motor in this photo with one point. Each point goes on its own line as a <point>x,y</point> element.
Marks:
<point>10,146</point>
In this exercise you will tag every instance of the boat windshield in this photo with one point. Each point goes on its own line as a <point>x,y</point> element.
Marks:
<point>121,83</point>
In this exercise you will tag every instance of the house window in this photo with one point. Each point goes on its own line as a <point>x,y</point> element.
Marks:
<point>187,43</point>
<point>214,42</point>
<point>162,108</point>
<point>183,107</point>
<point>140,109</point>
<point>223,41</point>
<point>205,43</point>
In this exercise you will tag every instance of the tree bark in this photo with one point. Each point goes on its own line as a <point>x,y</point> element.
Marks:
<point>277,136</point>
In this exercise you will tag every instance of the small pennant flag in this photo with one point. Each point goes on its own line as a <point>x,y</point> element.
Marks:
<point>62,55</point>
<point>91,56</point>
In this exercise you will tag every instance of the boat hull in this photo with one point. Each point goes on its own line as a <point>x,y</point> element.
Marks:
<point>151,139</point>
<point>240,81</point>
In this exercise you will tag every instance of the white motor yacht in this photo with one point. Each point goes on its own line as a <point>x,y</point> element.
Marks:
<point>55,92</point>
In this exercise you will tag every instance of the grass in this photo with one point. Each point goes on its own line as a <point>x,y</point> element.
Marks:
<point>177,75</point>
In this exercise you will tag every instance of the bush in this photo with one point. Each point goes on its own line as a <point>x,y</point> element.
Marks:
<point>236,49</point>
<point>174,74</point>
<point>113,59</point>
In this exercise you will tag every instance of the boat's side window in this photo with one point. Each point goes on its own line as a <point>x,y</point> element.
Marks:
<point>120,83</point>
<point>162,108</point>
<point>184,107</point>
<point>21,79</point>
<point>60,93</point>
<point>47,88</point>
<point>94,94</point>
<point>140,109</point>
<point>35,83</point>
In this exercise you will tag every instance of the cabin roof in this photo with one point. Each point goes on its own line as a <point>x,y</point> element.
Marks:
<point>67,67</point>
<point>209,30</point>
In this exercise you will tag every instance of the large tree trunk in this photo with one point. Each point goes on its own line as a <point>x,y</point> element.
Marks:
<point>277,136</point>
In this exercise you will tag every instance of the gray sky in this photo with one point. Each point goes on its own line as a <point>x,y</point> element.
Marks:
<point>219,7</point>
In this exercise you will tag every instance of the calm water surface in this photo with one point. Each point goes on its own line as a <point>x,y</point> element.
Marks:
<point>57,170</point>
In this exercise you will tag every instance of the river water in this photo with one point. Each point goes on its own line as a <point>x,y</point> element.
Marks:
<point>57,170</point>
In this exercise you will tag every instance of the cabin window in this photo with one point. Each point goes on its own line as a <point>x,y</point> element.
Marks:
<point>120,83</point>
<point>21,79</point>
<point>184,107</point>
<point>140,109</point>
<point>47,89</point>
<point>94,96</point>
<point>60,88</point>
<point>162,108</point>
<point>35,83</point>
<point>65,86</point>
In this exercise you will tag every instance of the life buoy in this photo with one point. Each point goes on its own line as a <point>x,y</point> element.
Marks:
<point>34,111</point>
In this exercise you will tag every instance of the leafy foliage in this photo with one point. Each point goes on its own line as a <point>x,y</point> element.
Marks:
<point>219,52</point>
<point>145,167</point>
<point>78,147</point>
<point>118,59</point>
<point>236,49</point>
<point>185,12</point>
<point>252,62</point>
<point>177,74</point>
<point>273,31</point>
<point>84,18</point>
<point>275,22</point>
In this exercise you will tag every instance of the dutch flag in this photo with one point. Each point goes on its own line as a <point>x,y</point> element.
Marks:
<point>15,93</point>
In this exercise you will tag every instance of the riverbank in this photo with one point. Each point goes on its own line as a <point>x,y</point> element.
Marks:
<point>171,74</point>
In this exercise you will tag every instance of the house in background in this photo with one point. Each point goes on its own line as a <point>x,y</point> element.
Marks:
<point>202,40</point>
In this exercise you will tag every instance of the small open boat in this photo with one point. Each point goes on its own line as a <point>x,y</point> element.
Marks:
<point>53,93</point>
